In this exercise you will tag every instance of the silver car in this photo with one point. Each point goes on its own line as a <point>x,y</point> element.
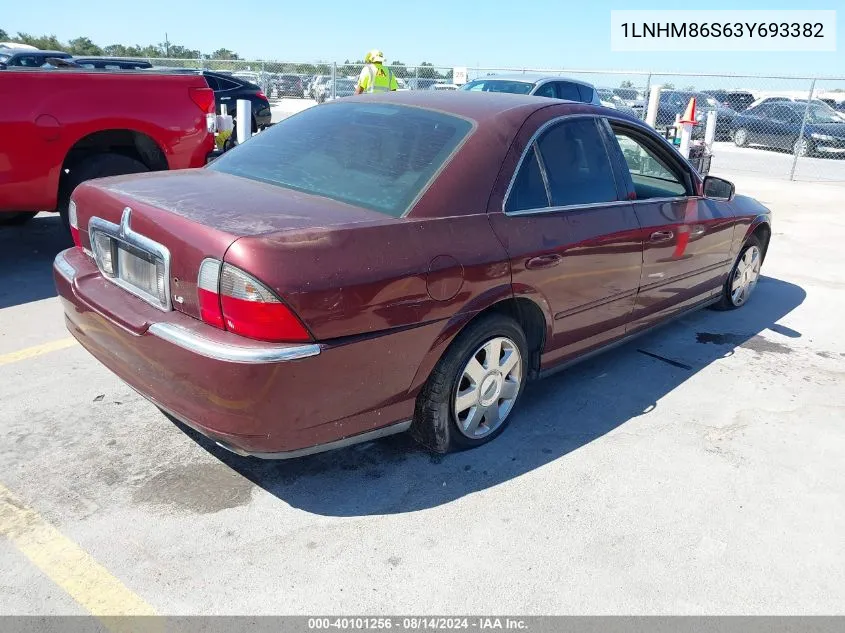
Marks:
<point>541,86</point>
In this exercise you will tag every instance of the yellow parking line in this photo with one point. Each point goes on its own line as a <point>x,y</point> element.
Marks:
<point>65,563</point>
<point>37,350</point>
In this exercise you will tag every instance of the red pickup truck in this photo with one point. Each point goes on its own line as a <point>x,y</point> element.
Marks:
<point>59,128</point>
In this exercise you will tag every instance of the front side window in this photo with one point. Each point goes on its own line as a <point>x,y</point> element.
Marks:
<point>546,90</point>
<point>499,85</point>
<point>651,175</point>
<point>375,156</point>
<point>567,90</point>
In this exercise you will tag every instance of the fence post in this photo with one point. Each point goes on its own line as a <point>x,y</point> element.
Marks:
<point>646,93</point>
<point>334,79</point>
<point>801,133</point>
<point>416,77</point>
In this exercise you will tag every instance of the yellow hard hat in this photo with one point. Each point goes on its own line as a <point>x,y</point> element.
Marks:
<point>375,56</point>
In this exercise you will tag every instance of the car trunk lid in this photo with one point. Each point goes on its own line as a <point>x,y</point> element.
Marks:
<point>195,215</point>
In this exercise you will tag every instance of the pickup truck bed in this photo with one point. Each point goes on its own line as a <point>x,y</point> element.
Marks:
<point>59,128</point>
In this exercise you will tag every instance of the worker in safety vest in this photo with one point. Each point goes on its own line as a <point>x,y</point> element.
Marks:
<point>374,77</point>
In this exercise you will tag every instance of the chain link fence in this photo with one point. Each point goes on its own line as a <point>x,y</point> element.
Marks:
<point>788,127</point>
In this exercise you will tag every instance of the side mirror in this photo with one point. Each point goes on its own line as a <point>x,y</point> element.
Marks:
<point>718,188</point>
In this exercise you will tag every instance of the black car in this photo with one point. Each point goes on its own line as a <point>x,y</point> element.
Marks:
<point>675,102</point>
<point>29,58</point>
<point>736,100</point>
<point>112,63</point>
<point>778,125</point>
<point>289,86</point>
<point>228,89</point>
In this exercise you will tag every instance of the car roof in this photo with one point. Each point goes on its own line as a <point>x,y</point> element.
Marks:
<point>483,107</point>
<point>29,51</point>
<point>95,58</point>
<point>533,79</point>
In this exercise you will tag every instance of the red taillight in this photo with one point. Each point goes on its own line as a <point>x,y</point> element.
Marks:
<point>261,95</point>
<point>235,301</point>
<point>73,221</point>
<point>204,98</point>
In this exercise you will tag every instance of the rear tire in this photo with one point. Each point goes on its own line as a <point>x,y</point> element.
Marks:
<point>741,137</point>
<point>16,219</point>
<point>441,422</point>
<point>98,166</point>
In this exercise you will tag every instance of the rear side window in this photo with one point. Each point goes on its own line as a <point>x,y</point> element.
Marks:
<point>528,190</point>
<point>375,156</point>
<point>586,94</point>
<point>212,82</point>
<point>567,90</point>
<point>577,166</point>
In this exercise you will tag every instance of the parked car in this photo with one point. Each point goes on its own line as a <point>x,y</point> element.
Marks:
<point>28,58</point>
<point>289,86</point>
<point>112,63</point>
<point>91,125</point>
<point>782,99</point>
<point>342,88</point>
<point>633,98</point>
<point>315,85</point>
<point>439,86</point>
<point>419,83</point>
<point>609,99</point>
<point>675,102</point>
<point>540,86</point>
<point>228,89</point>
<point>314,288</point>
<point>839,106</point>
<point>736,100</point>
<point>779,125</point>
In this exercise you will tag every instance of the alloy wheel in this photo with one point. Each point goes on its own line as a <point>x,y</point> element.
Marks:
<point>745,277</point>
<point>488,387</point>
<point>741,137</point>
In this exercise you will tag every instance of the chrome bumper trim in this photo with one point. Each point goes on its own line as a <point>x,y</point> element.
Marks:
<point>392,429</point>
<point>193,342</point>
<point>63,266</point>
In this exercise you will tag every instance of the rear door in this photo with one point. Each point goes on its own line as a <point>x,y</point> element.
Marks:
<point>572,238</point>
<point>784,126</point>
<point>686,238</point>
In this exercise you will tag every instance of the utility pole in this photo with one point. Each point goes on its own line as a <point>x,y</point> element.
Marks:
<point>166,46</point>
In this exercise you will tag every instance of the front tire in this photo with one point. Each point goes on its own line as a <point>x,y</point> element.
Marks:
<point>743,276</point>
<point>741,137</point>
<point>802,147</point>
<point>468,399</point>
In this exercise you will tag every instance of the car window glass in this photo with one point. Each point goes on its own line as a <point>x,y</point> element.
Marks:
<point>567,90</point>
<point>651,176</point>
<point>226,84</point>
<point>528,190</point>
<point>212,82</point>
<point>586,93</point>
<point>763,110</point>
<point>29,61</point>
<point>546,90</point>
<point>577,166</point>
<point>377,156</point>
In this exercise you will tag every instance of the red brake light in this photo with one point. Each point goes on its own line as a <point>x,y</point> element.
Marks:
<point>204,98</point>
<point>261,95</point>
<point>235,301</point>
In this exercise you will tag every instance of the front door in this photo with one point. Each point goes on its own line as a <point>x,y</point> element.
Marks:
<point>686,238</point>
<point>573,240</point>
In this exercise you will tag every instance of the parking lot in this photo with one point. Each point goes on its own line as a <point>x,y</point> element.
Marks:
<point>695,470</point>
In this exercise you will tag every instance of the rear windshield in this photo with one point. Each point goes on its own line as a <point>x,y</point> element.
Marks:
<point>372,155</point>
<point>499,85</point>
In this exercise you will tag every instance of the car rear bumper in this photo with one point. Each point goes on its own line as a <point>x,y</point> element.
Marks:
<point>254,398</point>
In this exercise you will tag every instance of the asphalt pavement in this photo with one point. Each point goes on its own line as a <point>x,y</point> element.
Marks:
<point>695,470</point>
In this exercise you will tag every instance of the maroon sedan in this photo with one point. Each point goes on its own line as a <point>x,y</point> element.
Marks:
<point>395,262</point>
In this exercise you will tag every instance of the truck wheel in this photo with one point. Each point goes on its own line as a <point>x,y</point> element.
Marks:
<point>16,219</point>
<point>99,166</point>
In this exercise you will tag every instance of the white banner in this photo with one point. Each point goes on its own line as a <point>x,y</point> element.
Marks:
<point>716,30</point>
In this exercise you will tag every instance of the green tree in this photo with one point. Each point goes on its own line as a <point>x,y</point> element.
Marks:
<point>3,35</point>
<point>83,46</point>
<point>223,53</point>
<point>669,86</point>
<point>690,88</point>
<point>626,84</point>
<point>44,42</point>
<point>399,69</point>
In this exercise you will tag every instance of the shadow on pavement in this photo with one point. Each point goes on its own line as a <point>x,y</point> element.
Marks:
<point>26,259</point>
<point>555,417</point>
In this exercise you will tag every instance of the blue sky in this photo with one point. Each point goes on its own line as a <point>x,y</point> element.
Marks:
<point>532,33</point>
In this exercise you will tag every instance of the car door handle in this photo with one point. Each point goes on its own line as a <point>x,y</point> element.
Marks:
<point>543,261</point>
<point>698,230</point>
<point>661,236</point>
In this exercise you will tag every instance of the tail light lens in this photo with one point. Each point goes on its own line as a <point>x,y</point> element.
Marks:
<point>233,300</point>
<point>261,95</point>
<point>73,221</point>
<point>204,98</point>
